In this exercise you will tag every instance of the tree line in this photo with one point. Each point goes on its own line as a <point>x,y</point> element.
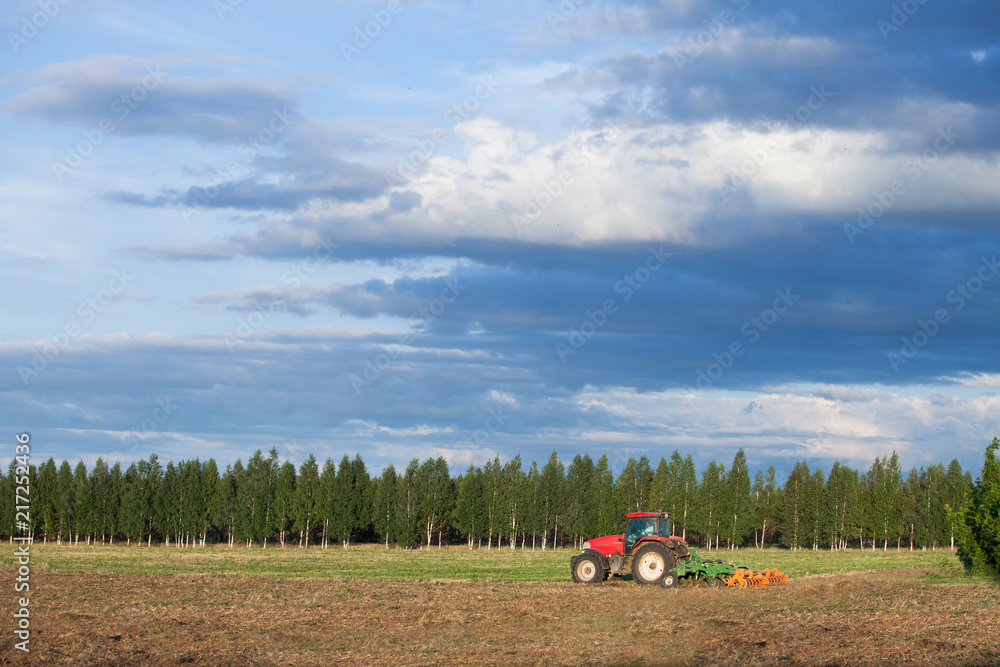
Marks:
<point>500,504</point>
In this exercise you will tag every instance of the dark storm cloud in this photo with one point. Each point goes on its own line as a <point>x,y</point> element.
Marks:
<point>844,308</point>
<point>762,61</point>
<point>967,23</point>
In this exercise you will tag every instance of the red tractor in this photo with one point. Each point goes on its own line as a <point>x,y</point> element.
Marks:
<point>646,550</point>
<point>652,555</point>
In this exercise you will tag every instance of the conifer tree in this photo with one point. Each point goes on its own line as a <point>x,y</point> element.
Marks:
<point>329,493</point>
<point>736,524</point>
<point>256,497</point>
<point>533,515</point>
<point>607,520</point>
<point>45,507</point>
<point>711,505</point>
<point>152,476</point>
<point>909,505</point>
<point>493,506</point>
<point>190,501</point>
<point>360,495</point>
<point>817,507</point>
<point>229,514</point>
<point>64,501</point>
<point>435,497</point>
<point>308,507</point>
<point>166,505</point>
<point>343,506</point>
<point>115,489</point>
<point>284,500</point>
<point>552,498</point>
<point>956,489</point>
<point>684,491</point>
<point>131,520</point>
<point>468,514</point>
<point>794,511</point>
<point>513,499</point>
<point>659,494</point>
<point>842,496</point>
<point>211,495</point>
<point>978,520</point>
<point>82,503</point>
<point>581,499</point>
<point>407,503</point>
<point>102,500</point>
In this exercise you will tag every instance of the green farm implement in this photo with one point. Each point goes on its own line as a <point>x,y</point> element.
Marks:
<point>715,573</point>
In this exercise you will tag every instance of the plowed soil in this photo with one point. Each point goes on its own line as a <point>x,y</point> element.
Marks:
<point>897,617</point>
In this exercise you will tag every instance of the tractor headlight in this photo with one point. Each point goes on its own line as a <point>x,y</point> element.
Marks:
<point>586,545</point>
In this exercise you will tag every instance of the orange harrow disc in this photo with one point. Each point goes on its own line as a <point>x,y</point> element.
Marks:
<point>746,578</point>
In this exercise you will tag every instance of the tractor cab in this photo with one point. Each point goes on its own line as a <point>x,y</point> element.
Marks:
<point>645,524</point>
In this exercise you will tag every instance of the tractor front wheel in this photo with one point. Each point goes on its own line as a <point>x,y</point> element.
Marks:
<point>587,569</point>
<point>651,562</point>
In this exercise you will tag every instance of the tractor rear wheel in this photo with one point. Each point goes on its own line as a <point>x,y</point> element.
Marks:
<point>587,569</point>
<point>650,562</point>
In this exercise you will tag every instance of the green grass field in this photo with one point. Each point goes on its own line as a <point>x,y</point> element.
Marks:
<point>449,563</point>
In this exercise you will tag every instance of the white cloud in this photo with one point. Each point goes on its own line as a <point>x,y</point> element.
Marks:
<point>661,183</point>
<point>853,424</point>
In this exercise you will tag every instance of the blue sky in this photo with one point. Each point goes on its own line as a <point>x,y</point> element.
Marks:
<point>469,229</point>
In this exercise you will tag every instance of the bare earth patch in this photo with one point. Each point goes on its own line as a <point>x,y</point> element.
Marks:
<point>861,618</point>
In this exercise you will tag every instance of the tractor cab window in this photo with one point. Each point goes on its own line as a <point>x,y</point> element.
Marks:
<point>664,527</point>
<point>639,528</point>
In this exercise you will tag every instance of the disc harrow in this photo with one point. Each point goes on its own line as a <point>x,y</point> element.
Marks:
<point>748,578</point>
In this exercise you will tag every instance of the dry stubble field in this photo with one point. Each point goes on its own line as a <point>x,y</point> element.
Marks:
<point>139,606</point>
